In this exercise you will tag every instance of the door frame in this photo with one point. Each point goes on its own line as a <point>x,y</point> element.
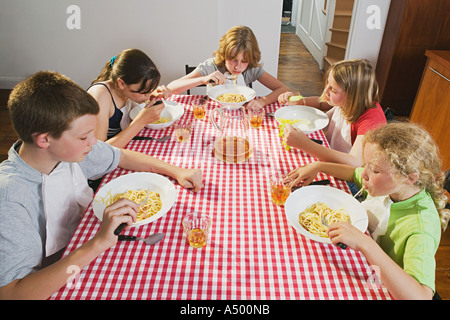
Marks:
<point>319,8</point>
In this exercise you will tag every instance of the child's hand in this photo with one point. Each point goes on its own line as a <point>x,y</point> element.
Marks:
<point>162,92</point>
<point>284,97</point>
<point>121,211</point>
<point>216,77</point>
<point>345,232</point>
<point>150,113</point>
<point>294,137</point>
<point>254,104</point>
<point>304,175</point>
<point>190,179</point>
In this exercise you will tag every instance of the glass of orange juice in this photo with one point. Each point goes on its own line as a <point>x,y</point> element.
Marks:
<point>280,188</point>
<point>199,108</point>
<point>256,117</point>
<point>196,227</point>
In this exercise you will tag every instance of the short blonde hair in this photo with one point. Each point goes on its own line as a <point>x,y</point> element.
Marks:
<point>238,39</point>
<point>357,78</point>
<point>410,149</point>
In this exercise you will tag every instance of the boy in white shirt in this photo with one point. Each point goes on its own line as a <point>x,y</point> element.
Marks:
<point>44,190</point>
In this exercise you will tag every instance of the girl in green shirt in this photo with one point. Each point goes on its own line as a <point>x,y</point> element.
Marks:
<point>402,171</point>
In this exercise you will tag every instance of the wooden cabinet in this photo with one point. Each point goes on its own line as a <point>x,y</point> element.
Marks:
<point>412,27</point>
<point>432,105</point>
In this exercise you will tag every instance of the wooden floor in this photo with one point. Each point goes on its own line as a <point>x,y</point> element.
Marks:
<point>297,68</point>
<point>299,71</point>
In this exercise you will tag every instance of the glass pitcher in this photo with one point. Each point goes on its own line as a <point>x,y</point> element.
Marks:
<point>231,144</point>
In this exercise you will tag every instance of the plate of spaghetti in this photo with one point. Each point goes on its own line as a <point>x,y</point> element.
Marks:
<point>172,111</point>
<point>136,186</point>
<point>307,207</point>
<point>230,95</point>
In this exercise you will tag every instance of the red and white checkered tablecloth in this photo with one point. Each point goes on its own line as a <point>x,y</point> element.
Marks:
<point>252,253</point>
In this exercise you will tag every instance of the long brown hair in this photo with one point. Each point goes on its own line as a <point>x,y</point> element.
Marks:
<point>357,78</point>
<point>132,66</point>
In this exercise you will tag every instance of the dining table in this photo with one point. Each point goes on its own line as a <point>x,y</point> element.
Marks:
<point>252,253</point>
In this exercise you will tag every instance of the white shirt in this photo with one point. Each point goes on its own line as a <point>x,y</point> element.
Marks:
<point>339,131</point>
<point>66,195</point>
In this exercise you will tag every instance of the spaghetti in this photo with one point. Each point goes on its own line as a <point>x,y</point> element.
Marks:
<point>311,218</point>
<point>231,98</point>
<point>162,120</point>
<point>282,125</point>
<point>146,210</point>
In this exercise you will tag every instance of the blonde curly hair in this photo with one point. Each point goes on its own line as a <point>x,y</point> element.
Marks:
<point>410,149</point>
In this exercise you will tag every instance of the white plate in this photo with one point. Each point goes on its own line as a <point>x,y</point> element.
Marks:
<point>314,118</point>
<point>216,91</point>
<point>134,181</point>
<point>301,198</point>
<point>172,110</point>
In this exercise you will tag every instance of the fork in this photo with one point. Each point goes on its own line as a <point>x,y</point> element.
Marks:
<point>231,77</point>
<point>162,139</point>
<point>123,225</point>
<point>324,221</point>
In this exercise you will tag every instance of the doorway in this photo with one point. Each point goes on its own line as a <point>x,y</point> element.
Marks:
<point>287,25</point>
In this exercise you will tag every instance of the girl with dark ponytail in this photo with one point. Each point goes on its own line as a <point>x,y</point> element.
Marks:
<point>128,79</point>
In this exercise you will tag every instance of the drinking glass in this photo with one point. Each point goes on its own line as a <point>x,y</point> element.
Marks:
<point>196,227</point>
<point>182,131</point>
<point>280,188</point>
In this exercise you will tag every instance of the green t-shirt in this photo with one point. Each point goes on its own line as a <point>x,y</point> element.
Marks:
<point>413,235</point>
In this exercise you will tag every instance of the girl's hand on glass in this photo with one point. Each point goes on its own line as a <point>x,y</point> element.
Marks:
<point>304,175</point>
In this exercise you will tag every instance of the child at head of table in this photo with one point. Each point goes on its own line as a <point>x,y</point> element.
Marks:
<point>350,102</point>
<point>405,204</point>
<point>44,190</point>
<point>238,55</point>
<point>128,79</point>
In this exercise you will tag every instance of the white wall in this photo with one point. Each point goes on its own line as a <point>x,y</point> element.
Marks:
<point>366,30</point>
<point>311,27</point>
<point>363,42</point>
<point>34,35</point>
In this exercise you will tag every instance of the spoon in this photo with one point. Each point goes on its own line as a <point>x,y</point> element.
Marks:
<point>150,240</point>
<point>155,104</point>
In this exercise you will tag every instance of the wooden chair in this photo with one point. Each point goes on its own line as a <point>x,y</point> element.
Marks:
<point>188,70</point>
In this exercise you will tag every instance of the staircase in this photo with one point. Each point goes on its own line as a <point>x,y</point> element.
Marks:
<point>339,33</point>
